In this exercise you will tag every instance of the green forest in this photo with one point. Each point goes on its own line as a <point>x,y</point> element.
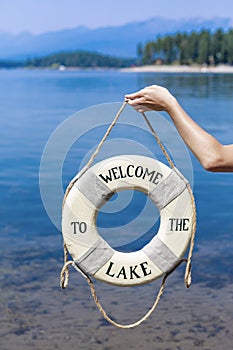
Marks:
<point>11,64</point>
<point>204,47</point>
<point>201,47</point>
<point>80,59</point>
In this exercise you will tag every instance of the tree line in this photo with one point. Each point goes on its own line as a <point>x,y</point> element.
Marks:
<point>201,47</point>
<point>11,64</point>
<point>81,59</point>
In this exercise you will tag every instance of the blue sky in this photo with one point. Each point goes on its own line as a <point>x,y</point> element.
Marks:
<point>38,16</point>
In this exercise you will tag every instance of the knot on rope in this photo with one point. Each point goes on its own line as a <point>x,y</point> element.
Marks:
<point>64,275</point>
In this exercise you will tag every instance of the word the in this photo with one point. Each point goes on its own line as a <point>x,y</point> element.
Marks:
<point>131,272</point>
<point>79,227</point>
<point>131,170</point>
<point>179,224</point>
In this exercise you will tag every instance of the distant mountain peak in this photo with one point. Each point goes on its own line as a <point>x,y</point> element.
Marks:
<point>112,40</point>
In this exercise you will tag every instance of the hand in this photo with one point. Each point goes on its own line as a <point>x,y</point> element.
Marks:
<point>153,97</point>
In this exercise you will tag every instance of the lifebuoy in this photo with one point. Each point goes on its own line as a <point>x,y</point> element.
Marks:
<point>167,188</point>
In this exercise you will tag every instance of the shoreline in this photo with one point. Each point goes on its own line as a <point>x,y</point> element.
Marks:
<point>220,69</point>
<point>178,69</point>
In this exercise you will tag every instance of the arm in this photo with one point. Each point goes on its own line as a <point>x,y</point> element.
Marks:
<point>212,155</point>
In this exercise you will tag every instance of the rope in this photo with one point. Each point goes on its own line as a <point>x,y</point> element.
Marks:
<point>170,162</point>
<point>64,283</point>
<point>91,160</point>
<point>187,277</point>
<point>64,276</point>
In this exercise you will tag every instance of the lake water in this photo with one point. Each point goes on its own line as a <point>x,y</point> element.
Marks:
<point>32,105</point>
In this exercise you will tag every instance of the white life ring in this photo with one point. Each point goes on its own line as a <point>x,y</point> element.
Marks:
<point>167,189</point>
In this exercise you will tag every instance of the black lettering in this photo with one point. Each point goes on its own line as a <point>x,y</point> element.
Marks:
<point>122,273</point>
<point>114,171</point>
<point>107,178</point>
<point>185,224</point>
<point>144,269</point>
<point>79,226</point>
<point>133,273</point>
<point>109,269</point>
<point>74,223</point>
<point>179,224</point>
<point>172,224</point>
<point>147,173</point>
<point>156,178</point>
<point>82,227</point>
<point>139,171</point>
<point>131,165</point>
<point>121,173</point>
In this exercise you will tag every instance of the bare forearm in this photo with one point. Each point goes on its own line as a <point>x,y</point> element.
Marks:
<point>212,154</point>
<point>203,145</point>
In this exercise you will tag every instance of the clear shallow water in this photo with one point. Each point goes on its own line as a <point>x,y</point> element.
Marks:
<point>34,103</point>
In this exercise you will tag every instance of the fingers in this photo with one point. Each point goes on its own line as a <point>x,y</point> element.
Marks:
<point>141,109</point>
<point>134,95</point>
<point>131,96</point>
<point>138,105</point>
<point>137,101</point>
<point>133,101</point>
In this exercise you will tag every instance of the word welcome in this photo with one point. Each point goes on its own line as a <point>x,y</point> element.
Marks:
<point>131,170</point>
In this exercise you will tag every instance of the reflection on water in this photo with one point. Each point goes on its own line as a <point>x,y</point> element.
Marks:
<point>188,85</point>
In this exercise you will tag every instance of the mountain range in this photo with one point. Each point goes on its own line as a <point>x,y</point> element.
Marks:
<point>118,41</point>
